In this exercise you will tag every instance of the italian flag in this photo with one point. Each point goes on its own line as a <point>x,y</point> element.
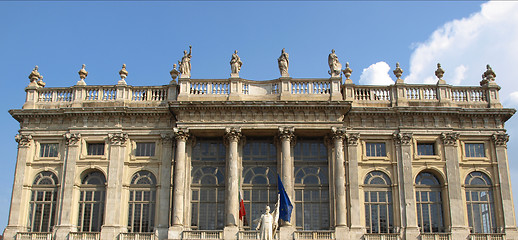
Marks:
<point>242,210</point>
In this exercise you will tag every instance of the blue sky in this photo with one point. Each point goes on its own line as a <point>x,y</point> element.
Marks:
<point>150,36</point>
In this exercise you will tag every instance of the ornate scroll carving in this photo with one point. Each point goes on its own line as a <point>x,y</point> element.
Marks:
<point>450,138</point>
<point>353,139</point>
<point>402,138</point>
<point>338,133</point>
<point>23,140</point>
<point>181,134</point>
<point>72,139</point>
<point>118,138</point>
<point>232,134</point>
<point>500,139</point>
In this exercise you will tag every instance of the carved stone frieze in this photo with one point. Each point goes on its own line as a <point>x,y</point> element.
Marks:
<point>72,139</point>
<point>353,139</point>
<point>500,139</point>
<point>402,138</point>
<point>450,138</point>
<point>118,138</point>
<point>23,140</point>
<point>232,134</point>
<point>181,134</point>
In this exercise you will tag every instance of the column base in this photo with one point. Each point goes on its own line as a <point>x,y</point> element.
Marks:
<point>511,234</point>
<point>286,232</point>
<point>230,233</point>
<point>112,232</point>
<point>61,232</point>
<point>459,233</point>
<point>10,231</point>
<point>342,233</point>
<point>161,232</point>
<point>175,232</point>
<point>355,232</point>
<point>412,233</point>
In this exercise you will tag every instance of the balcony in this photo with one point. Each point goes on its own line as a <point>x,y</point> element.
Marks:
<point>436,236</point>
<point>84,236</point>
<point>33,236</point>
<point>138,236</point>
<point>322,235</point>
<point>202,234</point>
<point>382,236</point>
<point>487,236</point>
<point>253,235</point>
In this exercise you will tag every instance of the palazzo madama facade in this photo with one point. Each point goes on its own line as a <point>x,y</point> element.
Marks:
<point>391,162</point>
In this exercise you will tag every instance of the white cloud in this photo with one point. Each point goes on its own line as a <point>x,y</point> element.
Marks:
<point>376,74</point>
<point>465,46</point>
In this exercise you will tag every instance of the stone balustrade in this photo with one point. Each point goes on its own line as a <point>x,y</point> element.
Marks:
<point>253,235</point>
<point>84,236</point>
<point>487,236</point>
<point>382,236</point>
<point>33,236</point>
<point>322,235</point>
<point>202,234</point>
<point>283,89</point>
<point>436,236</point>
<point>138,236</point>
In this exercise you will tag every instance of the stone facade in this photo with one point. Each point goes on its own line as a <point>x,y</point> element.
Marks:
<point>119,142</point>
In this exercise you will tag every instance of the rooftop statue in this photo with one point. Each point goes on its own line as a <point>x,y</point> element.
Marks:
<point>36,78</point>
<point>235,65</point>
<point>185,64</point>
<point>334,65</point>
<point>284,63</point>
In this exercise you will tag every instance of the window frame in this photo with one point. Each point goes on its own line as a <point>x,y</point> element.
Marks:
<point>133,190</point>
<point>436,188</point>
<point>387,188</point>
<point>35,204</point>
<point>93,140</point>
<point>487,188</point>
<point>485,150</point>
<point>37,155</point>
<point>388,147</point>
<point>84,188</point>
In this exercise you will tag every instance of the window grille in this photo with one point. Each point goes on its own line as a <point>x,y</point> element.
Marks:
<point>429,203</point>
<point>479,201</point>
<point>379,212</point>
<point>42,212</point>
<point>142,201</point>
<point>91,202</point>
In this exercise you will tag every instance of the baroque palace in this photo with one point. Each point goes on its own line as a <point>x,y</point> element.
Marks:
<point>398,162</point>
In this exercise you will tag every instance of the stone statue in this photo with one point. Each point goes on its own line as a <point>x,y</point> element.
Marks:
<point>266,225</point>
<point>185,64</point>
<point>35,75</point>
<point>284,63</point>
<point>235,65</point>
<point>334,65</point>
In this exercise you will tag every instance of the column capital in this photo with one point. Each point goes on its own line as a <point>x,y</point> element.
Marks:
<point>167,138</point>
<point>450,138</point>
<point>118,139</point>
<point>402,138</point>
<point>232,134</point>
<point>286,133</point>
<point>338,134</point>
<point>181,134</point>
<point>352,139</point>
<point>500,139</point>
<point>23,140</point>
<point>72,139</point>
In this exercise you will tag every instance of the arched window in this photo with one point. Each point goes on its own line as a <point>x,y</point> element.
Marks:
<point>208,198</point>
<point>429,203</point>
<point>91,202</point>
<point>142,197</point>
<point>378,203</point>
<point>479,201</point>
<point>42,213</point>
<point>311,184</point>
<point>259,177</point>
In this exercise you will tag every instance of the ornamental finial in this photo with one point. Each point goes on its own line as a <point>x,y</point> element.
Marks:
<point>174,73</point>
<point>488,76</point>
<point>398,71</point>
<point>439,72</point>
<point>83,73</point>
<point>123,73</point>
<point>347,71</point>
<point>35,75</point>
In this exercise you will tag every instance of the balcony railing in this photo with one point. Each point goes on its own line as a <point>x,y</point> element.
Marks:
<point>202,234</point>
<point>33,236</point>
<point>487,236</point>
<point>323,235</point>
<point>381,236</point>
<point>253,235</point>
<point>138,236</point>
<point>84,236</point>
<point>436,236</point>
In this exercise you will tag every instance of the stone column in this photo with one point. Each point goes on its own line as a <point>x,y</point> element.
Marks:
<point>287,137</point>
<point>339,182</point>
<point>356,226</point>
<point>181,135</point>
<point>19,195</point>
<point>504,180</point>
<point>405,182</point>
<point>458,224</point>
<point>232,136</point>
<point>113,209</point>
<point>165,185</point>
<point>66,222</point>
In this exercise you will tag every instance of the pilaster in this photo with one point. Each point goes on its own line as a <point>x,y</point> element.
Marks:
<point>113,210</point>
<point>357,229</point>
<point>459,226</point>
<point>65,216</point>
<point>165,185</point>
<point>406,185</point>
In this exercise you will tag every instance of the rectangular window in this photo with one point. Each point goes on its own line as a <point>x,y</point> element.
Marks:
<point>475,150</point>
<point>145,149</point>
<point>375,150</point>
<point>93,149</point>
<point>426,149</point>
<point>49,150</point>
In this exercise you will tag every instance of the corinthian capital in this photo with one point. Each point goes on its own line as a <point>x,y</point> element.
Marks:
<point>118,138</point>
<point>338,133</point>
<point>353,139</point>
<point>450,138</point>
<point>72,139</point>
<point>232,134</point>
<point>181,134</point>
<point>286,133</point>
<point>167,138</point>
<point>500,139</point>
<point>23,140</point>
<point>402,138</point>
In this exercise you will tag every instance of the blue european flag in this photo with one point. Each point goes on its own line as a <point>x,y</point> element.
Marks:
<point>285,206</point>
